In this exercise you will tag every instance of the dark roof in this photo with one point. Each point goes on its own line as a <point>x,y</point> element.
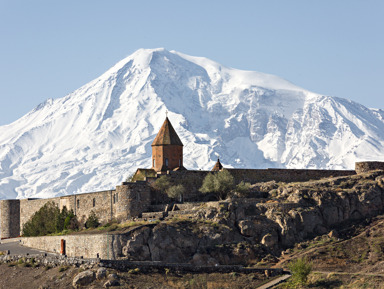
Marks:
<point>218,166</point>
<point>167,135</point>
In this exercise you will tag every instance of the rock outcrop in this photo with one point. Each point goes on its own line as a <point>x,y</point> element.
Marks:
<point>83,278</point>
<point>243,230</point>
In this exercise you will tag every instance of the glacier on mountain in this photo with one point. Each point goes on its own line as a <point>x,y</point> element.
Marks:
<point>93,138</point>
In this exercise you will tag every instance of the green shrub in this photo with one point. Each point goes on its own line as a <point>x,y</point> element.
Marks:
<point>243,188</point>
<point>92,221</point>
<point>300,270</point>
<point>220,183</point>
<point>63,268</point>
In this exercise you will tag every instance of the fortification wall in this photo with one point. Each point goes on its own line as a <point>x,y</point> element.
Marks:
<point>9,218</point>
<point>87,246</point>
<point>101,203</point>
<point>128,200</point>
<point>363,167</point>
<point>133,199</point>
<point>191,180</point>
<point>285,175</point>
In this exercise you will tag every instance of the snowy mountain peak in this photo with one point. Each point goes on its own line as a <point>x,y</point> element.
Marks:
<point>93,138</point>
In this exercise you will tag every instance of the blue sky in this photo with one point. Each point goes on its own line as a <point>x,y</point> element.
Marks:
<point>50,48</point>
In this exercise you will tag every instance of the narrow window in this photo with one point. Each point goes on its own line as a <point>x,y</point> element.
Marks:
<point>166,162</point>
<point>117,197</point>
<point>114,198</point>
<point>78,203</point>
<point>179,162</point>
<point>94,202</point>
<point>154,162</point>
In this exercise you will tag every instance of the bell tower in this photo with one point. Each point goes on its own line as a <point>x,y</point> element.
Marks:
<point>167,149</point>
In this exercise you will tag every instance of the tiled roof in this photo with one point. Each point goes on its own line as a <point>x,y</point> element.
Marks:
<point>218,166</point>
<point>167,135</point>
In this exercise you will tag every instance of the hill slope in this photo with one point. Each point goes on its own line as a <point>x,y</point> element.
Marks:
<point>94,137</point>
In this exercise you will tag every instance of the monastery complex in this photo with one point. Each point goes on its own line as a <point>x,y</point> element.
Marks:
<point>131,199</point>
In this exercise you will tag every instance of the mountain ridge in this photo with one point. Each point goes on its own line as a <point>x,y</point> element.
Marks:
<point>97,135</point>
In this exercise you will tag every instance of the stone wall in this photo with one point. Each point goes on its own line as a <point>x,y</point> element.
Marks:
<point>87,246</point>
<point>127,201</point>
<point>193,180</point>
<point>363,167</point>
<point>101,203</point>
<point>10,218</point>
<point>285,175</point>
<point>133,199</point>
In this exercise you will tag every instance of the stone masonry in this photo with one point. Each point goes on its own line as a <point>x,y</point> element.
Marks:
<point>127,201</point>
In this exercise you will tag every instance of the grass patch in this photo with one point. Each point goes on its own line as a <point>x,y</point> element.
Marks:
<point>63,268</point>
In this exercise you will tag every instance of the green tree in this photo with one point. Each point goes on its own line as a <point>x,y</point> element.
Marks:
<point>300,269</point>
<point>243,188</point>
<point>43,222</point>
<point>71,222</point>
<point>162,184</point>
<point>60,219</point>
<point>92,221</point>
<point>47,220</point>
<point>220,183</point>
<point>176,192</point>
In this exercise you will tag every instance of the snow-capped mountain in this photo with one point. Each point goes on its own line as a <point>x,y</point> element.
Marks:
<point>93,138</point>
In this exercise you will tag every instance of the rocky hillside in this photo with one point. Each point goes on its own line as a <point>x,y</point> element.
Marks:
<point>253,230</point>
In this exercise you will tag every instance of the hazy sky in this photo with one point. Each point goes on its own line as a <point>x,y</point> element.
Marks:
<point>50,48</point>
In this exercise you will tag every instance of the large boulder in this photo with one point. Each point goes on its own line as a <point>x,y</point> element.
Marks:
<point>83,279</point>
<point>101,273</point>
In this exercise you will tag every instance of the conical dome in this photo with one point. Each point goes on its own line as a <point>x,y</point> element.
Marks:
<point>217,167</point>
<point>167,149</point>
<point>167,135</point>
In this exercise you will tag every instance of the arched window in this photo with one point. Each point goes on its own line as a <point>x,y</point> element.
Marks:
<point>94,202</point>
<point>78,204</point>
<point>114,198</point>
